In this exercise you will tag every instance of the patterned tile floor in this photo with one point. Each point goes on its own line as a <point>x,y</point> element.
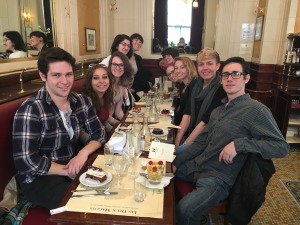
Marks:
<point>279,208</point>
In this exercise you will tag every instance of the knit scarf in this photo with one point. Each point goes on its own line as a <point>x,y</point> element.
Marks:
<point>198,94</point>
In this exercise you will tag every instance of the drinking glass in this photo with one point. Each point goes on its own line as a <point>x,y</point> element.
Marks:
<point>139,188</point>
<point>108,154</point>
<point>119,164</point>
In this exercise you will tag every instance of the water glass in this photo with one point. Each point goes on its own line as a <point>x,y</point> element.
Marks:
<point>139,189</point>
<point>108,154</point>
<point>148,102</point>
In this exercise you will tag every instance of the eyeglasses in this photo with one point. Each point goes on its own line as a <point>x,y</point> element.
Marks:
<point>115,65</point>
<point>124,44</point>
<point>234,75</point>
<point>170,74</point>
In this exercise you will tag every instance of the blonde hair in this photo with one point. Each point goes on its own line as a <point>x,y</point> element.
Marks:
<point>189,65</point>
<point>208,53</point>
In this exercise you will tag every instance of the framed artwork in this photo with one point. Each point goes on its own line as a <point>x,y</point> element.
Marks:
<point>258,28</point>
<point>90,39</point>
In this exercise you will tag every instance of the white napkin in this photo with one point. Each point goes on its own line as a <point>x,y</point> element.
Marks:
<point>164,182</point>
<point>118,143</point>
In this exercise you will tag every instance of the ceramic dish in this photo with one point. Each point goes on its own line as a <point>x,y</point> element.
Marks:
<point>165,133</point>
<point>94,183</point>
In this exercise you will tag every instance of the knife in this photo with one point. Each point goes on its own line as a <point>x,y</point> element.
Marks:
<point>92,195</point>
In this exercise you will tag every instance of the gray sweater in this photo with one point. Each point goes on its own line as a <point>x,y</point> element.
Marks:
<point>245,121</point>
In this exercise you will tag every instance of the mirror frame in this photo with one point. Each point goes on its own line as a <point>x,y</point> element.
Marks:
<point>48,18</point>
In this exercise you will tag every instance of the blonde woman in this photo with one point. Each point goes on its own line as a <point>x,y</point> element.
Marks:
<point>186,73</point>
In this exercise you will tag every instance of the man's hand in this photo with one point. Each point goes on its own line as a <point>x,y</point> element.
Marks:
<point>228,153</point>
<point>75,164</point>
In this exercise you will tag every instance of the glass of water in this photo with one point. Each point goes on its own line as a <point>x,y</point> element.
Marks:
<point>108,154</point>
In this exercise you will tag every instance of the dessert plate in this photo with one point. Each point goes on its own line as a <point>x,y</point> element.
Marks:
<point>165,133</point>
<point>164,182</point>
<point>94,183</point>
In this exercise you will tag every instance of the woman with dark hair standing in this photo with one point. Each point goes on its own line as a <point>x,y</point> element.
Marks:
<point>14,45</point>
<point>38,40</point>
<point>99,86</point>
<point>122,43</point>
<point>143,77</point>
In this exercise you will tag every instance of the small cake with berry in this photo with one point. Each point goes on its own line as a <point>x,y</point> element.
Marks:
<point>155,171</point>
<point>96,173</point>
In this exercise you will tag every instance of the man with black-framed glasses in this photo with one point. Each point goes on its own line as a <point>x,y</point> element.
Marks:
<point>239,127</point>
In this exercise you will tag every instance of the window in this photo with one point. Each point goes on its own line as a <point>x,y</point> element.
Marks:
<point>179,22</point>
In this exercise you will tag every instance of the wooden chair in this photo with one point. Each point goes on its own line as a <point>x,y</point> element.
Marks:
<point>182,188</point>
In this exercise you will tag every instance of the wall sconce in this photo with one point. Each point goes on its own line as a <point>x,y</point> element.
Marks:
<point>113,6</point>
<point>27,17</point>
<point>195,3</point>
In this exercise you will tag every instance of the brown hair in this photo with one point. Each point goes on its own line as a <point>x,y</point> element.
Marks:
<point>88,90</point>
<point>126,79</point>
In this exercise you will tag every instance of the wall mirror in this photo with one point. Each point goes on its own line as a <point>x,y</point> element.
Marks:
<point>26,16</point>
<point>197,25</point>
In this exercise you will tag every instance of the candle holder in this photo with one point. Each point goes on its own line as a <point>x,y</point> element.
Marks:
<point>21,82</point>
<point>82,74</point>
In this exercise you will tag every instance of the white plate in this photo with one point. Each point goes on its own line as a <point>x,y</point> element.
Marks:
<point>159,135</point>
<point>140,103</point>
<point>120,131</point>
<point>140,113</point>
<point>164,182</point>
<point>94,183</point>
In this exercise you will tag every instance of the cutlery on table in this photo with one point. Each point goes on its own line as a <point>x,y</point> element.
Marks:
<point>92,195</point>
<point>97,190</point>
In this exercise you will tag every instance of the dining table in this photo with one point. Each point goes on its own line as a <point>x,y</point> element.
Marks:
<point>76,217</point>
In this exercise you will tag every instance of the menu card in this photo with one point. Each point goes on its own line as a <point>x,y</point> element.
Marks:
<point>162,151</point>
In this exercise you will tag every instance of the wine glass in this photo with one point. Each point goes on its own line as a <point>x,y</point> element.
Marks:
<point>119,164</point>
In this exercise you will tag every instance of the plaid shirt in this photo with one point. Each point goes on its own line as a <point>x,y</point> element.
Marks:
<point>39,134</point>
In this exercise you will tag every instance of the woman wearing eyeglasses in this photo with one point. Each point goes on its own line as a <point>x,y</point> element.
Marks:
<point>206,95</point>
<point>121,43</point>
<point>99,86</point>
<point>14,45</point>
<point>121,69</point>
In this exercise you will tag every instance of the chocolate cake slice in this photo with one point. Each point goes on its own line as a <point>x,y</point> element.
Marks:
<point>96,173</point>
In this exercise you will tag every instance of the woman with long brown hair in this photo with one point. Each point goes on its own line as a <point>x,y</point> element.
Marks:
<point>99,86</point>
